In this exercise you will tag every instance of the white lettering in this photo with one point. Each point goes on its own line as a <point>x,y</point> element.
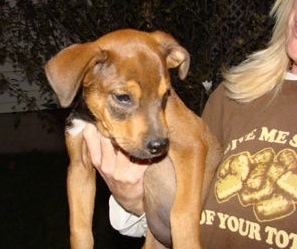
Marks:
<point>273,136</point>
<point>267,135</point>
<point>233,144</point>
<point>233,224</point>
<point>207,217</point>
<point>251,135</point>
<point>282,137</point>
<point>293,237</point>
<point>254,231</point>
<point>271,233</point>
<point>243,227</point>
<point>223,218</point>
<point>280,238</point>
<point>293,141</point>
<point>275,238</point>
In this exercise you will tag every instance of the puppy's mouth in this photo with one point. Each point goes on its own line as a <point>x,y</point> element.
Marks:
<point>150,152</point>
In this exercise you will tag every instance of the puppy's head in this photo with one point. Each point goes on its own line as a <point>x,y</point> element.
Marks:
<point>125,83</point>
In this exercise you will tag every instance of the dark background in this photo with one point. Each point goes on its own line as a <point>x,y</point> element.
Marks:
<point>33,205</point>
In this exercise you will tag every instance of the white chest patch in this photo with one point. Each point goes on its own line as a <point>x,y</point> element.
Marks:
<point>77,126</point>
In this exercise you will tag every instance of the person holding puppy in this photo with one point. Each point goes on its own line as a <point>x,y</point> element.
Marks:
<point>252,200</point>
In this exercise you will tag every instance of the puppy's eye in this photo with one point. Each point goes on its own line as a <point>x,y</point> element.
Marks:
<point>123,99</point>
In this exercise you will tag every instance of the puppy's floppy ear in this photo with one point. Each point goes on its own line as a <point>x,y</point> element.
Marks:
<point>176,55</point>
<point>66,70</point>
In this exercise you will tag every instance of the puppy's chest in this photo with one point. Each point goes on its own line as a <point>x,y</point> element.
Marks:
<point>160,186</point>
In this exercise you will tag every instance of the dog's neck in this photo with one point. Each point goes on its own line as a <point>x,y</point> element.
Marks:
<point>80,110</point>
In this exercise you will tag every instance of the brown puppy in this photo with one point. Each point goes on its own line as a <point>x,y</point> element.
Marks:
<point>126,93</point>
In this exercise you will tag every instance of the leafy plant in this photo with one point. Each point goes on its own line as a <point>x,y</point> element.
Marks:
<point>214,32</point>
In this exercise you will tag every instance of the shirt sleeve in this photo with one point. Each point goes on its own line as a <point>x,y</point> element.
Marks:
<point>125,222</point>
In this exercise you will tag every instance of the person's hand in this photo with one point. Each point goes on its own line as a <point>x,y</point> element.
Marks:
<point>124,178</point>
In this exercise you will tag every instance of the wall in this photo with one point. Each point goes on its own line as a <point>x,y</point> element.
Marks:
<point>31,135</point>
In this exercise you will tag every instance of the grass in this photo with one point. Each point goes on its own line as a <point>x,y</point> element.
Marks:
<point>34,210</point>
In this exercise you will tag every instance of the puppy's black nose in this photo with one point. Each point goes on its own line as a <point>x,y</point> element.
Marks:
<point>158,146</point>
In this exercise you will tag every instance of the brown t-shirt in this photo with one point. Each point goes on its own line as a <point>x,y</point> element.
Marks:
<point>252,200</point>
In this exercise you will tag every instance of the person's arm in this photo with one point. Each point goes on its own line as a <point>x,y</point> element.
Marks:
<point>125,181</point>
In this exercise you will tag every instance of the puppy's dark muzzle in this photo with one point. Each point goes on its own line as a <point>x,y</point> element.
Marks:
<point>158,146</point>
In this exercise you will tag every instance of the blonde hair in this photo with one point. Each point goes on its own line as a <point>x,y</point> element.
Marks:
<point>263,70</point>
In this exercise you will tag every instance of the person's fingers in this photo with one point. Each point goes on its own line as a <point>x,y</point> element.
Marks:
<point>123,177</point>
<point>126,169</point>
<point>92,138</point>
<point>113,166</point>
<point>123,171</point>
<point>109,156</point>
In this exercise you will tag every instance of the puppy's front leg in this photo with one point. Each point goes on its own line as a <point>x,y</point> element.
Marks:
<point>185,213</point>
<point>151,242</point>
<point>81,188</point>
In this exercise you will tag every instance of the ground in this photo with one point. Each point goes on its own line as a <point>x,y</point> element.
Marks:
<point>33,205</point>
